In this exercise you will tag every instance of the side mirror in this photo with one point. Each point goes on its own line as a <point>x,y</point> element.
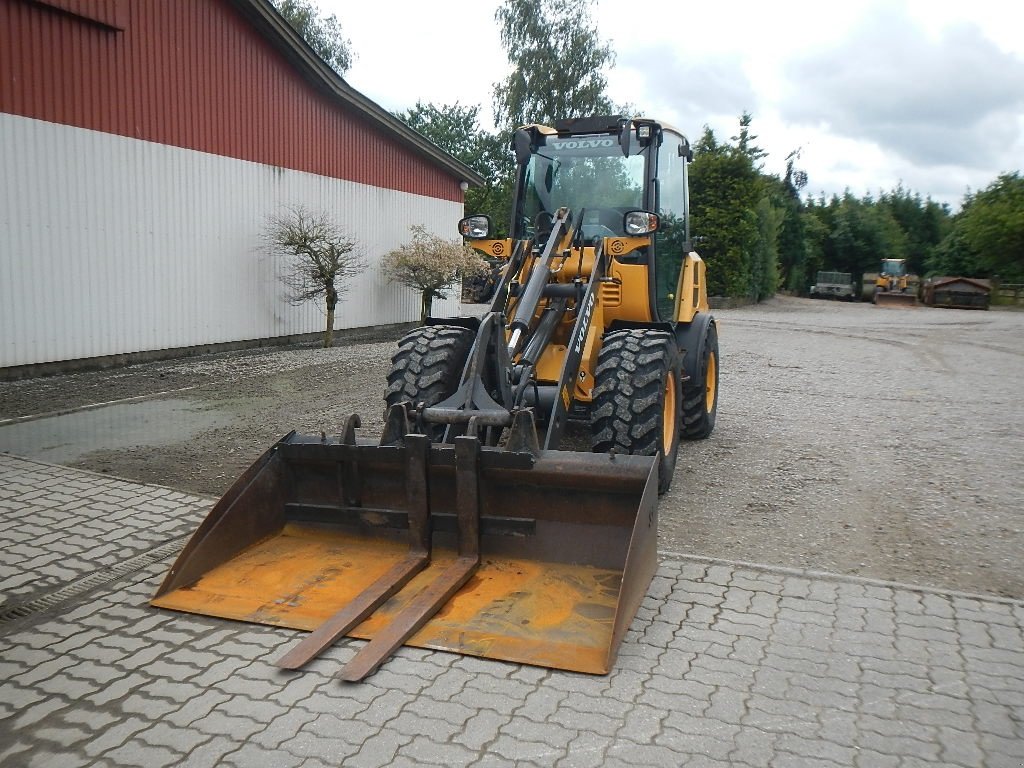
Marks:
<point>637,223</point>
<point>625,136</point>
<point>475,227</point>
<point>522,143</point>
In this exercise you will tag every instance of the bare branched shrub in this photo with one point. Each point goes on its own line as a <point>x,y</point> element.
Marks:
<point>431,265</point>
<point>320,258</point>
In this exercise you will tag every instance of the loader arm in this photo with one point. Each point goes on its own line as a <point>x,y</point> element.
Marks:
<point>499,378</point>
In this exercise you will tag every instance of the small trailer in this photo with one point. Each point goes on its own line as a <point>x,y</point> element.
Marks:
<point>834,285</point>
<point>957,292</point>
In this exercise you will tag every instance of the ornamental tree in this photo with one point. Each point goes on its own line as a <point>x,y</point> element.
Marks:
<point>431,265</point>
<point>320,258</point>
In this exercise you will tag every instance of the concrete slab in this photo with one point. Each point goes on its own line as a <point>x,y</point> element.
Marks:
<point>727,664</point>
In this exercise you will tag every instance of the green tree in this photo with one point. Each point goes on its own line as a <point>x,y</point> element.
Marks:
<point>707,143</point>
<point>745,142</point>
<point>864,233</point>
<point>319,258</point>
<point>764,275</point>
<point>793,247</point>
<point>456,129</point>
<point>431,265</point>
<point>954,257</point>
<point>322,33</point>
<point>558,62</point>
<point>923,222</point>
<point>815,238</point>
<point>854,234</point>
<point>992,224</point>
<point>725,192</point>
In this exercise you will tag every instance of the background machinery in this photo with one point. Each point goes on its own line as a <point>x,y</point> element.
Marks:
<point>833,285</point>
<point>466,527</point>
<point>892,285</point>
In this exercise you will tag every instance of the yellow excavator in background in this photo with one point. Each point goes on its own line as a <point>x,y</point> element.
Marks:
<point>466,527</point>
<point>892,285</point>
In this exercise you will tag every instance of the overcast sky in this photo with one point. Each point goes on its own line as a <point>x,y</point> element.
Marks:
<point>874,94</point>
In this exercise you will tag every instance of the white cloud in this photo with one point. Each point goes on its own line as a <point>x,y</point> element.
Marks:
<point>925,100</point>
<point>927,93</point>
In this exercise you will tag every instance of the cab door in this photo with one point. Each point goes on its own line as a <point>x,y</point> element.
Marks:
<point>671,240</point>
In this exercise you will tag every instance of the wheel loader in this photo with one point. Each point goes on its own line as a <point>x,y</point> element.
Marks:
<point>893,286</point>
<point>467,526</point>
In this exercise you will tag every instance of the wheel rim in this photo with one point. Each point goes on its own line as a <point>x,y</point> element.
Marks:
<point>668,415</point>
<point>710,383</point>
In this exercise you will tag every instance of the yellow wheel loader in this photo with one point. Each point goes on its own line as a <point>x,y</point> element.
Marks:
<point>893,286</point>
<point>466,527</point>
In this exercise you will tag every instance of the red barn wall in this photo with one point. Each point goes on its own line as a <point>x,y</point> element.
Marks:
<point>192,74</point>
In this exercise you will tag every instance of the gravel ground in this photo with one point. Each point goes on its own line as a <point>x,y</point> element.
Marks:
<point>884,443</point>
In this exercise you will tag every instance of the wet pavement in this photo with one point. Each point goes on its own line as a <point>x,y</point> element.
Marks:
<point>66,437</point>
<point>726,664</point>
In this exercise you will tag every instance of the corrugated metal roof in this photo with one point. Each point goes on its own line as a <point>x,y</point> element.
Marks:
<point>271,24</point>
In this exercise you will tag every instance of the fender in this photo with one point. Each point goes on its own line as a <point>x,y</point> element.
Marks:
<point>620,325</point>
<point>472,323</point>
<point>690,338</point>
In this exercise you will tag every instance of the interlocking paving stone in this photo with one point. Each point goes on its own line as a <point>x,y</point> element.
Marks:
<point>726,665</point>
<point>84,518</point>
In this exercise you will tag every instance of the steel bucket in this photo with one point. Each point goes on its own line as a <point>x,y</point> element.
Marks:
<point>536,557</point>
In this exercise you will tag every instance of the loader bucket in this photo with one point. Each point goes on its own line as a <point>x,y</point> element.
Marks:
<point>538,557</point>
<point>895,299</point>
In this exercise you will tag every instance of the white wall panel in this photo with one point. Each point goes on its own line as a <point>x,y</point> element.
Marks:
<point>110,245</point>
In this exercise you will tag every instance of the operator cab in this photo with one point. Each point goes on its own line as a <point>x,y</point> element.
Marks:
<point>607,168</point>
<point>581,173</point>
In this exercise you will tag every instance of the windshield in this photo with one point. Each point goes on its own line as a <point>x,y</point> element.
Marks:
<point>894,267</point>
<point>581,172</point>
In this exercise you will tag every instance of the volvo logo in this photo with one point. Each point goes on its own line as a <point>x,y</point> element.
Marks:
<point>584,323</point>
<point>581,143</point>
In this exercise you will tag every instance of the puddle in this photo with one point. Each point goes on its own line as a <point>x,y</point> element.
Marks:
<point>67,438</point>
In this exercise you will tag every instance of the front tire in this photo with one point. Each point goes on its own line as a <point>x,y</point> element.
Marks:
<point>427,367</point>
<point>636,398</point>
<point>700,391</point>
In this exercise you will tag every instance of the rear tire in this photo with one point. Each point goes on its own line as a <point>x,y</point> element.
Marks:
<point>700,391</point>
<point>428,366</point>
<point>636,398</point>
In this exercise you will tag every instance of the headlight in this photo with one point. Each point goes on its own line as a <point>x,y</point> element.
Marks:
<point>640,223</point>
<point>475,227</point>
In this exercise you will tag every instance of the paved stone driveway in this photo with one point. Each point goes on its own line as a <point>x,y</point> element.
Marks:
<point>727,664</point>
